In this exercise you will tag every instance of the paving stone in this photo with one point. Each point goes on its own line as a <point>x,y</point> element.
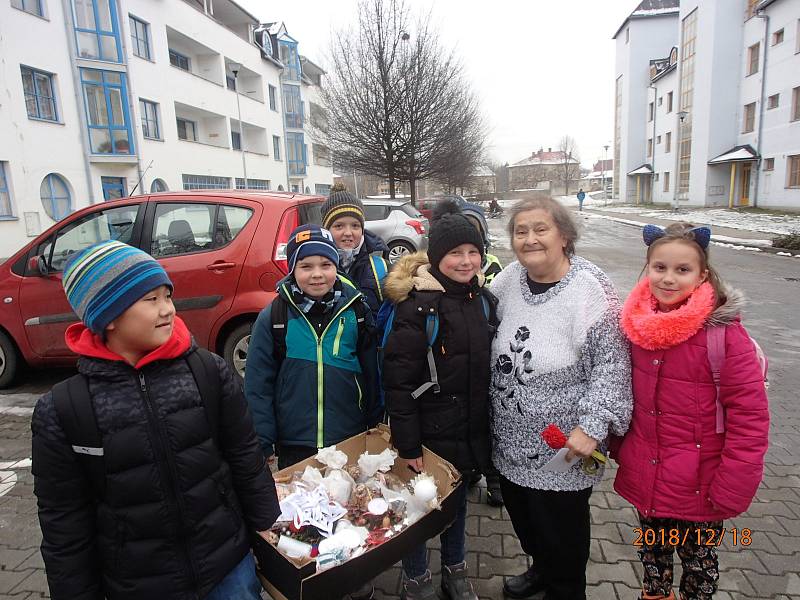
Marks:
<point>11,558</point>
<point>11,579</point>
<point>489,565</point>
<point>768,585</point>
<point>36,582</point>
<point>621,571</point>
<point>602,591</point>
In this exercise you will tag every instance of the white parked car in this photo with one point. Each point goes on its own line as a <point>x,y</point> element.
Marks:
<point>401,226</point>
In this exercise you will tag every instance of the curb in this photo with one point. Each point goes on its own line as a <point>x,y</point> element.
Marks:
<point>719,240</point>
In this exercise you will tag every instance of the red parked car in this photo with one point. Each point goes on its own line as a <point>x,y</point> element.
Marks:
<point>223,249</point>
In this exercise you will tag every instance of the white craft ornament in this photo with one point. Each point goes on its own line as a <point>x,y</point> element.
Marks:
<point>425,489</point>
<point>377,506</point>
<point>293,548</point>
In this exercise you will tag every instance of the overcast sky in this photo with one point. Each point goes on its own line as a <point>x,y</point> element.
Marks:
<point>542,69</point>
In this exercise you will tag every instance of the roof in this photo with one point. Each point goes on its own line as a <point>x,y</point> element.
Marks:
<point>652,8</point>
<point>744,153</point>
<point>544,158</point>
<point>645,169</point>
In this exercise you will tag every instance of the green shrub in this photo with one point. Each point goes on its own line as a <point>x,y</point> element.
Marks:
<point>789,241</point>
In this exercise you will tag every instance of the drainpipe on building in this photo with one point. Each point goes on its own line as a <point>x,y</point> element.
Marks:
<point>130,99</point>
<point>655,110</point>
<point>66,6</point>
<point>761,15</point>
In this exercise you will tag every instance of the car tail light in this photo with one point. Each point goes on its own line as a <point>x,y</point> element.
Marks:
<point>289,221</point>
<point>418,226</point>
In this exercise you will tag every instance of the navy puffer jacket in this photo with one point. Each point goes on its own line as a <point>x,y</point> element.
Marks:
<point>361,272</point>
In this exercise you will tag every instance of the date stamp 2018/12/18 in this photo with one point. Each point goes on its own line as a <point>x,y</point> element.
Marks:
<point>646,536</point>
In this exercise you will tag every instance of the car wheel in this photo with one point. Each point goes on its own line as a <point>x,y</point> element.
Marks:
<point>9,361</point>
<point>235,351</point>
<point>398,250</point>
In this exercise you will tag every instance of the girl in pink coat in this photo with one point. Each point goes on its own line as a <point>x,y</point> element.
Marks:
<point>694,453</point>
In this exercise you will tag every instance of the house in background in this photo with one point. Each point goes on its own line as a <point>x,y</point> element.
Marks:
<point>707,103</point>
<point>140,96</point>
<point>543,170</point>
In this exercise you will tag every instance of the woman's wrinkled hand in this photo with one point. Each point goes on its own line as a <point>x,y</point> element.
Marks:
<point>580,444</point>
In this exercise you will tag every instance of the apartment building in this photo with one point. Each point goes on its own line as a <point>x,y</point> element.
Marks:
<point>138,96</point>
<point>707,109</point>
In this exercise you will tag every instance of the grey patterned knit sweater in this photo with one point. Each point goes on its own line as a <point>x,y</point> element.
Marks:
<point>558,357</point>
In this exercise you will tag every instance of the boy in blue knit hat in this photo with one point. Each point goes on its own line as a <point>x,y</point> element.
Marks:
<point>148,473</point>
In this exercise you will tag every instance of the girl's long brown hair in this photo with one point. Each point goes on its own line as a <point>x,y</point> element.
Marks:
<point>682,232</point>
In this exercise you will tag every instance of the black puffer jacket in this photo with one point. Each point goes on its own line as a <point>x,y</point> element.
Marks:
<point>455,422</point>
<point>361,273</point>
<point>177,512</point>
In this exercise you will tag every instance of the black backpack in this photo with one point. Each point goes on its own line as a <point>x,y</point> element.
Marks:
<point>73,404</point>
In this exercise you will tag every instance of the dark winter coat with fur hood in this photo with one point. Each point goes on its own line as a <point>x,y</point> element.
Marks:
<point>454,423</point>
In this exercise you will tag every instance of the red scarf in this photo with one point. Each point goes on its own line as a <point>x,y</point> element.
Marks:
<point>651,329</point>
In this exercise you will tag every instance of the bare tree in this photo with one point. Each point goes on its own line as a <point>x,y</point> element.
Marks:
<point>397,104</point>
<point>570,164</point>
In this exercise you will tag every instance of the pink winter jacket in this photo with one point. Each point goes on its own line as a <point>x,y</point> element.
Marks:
<point>672,463</point>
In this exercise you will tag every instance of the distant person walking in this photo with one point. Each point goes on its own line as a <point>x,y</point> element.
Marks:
<point>581,198</point>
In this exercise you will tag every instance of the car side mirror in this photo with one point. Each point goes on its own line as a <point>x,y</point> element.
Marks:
<point>38,265</point>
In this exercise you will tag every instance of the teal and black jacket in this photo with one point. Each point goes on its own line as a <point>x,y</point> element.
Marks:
<point>325,388</point>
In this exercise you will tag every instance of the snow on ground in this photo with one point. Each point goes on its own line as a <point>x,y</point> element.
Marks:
<point>720,217</point>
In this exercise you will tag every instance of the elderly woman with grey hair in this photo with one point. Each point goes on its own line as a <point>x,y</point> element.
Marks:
<point>558,358</point>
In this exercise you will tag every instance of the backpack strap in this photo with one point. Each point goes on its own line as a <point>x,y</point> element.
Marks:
<point>206,375</point>
<point>73,404</point>
<point>279,316</point>
<point>379,271</point>
<point>715,345</point>
<point>431,331</point>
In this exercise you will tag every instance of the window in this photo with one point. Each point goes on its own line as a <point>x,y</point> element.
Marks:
<point>230,83</point>
<point>650,112</point>
<point>777,37</point>
<point>322,155</point>
<point>176,59</point>
<point>150,128</point>
<point>273,104</point>
<point>158,185</point>
<point>296,153</point>
<point>236,140</point>
<point>322,189</point>
<point>668,142</point>
<point>5,195</point>
<point>97,30</point>
<point>253,184</point>
<point>183,228</point>
<point>753,54</point>
<point>105,94</point>
<point>31,6</point>
<point>293,106</point>
<point>669,102</point>
<point>666,181</point>
<point>749,120</point>
<point>772,101</point>
<point>290,59</point>
<point>187,130</point>
<point>140,37</point>
<point>658,139</point>
<point>40,98</point>
<point>55,197</point>
<point>769,164</point>
<point>276,147</point>
<point>686,101</point>
<point>627,34</point>
<point>114,188</point>
<point>649,146</point>
<point>660,100</point>
<point>796,104</point>
<point>655,177</point>
<point>794,171</point>
<point>112,224</point>
<point>206,182</point>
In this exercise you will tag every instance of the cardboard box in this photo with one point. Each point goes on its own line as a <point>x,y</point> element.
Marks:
<point>287,580</point>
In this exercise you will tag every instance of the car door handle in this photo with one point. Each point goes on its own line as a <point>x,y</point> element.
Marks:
<point>220,265</point>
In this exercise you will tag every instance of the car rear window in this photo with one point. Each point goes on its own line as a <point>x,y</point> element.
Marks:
<point>376,213</point>
<point>411,211</point>
<point>310,212</point>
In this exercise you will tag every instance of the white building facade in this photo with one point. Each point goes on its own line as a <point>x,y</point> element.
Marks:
<point>707,108</point>
<point>129,97</point>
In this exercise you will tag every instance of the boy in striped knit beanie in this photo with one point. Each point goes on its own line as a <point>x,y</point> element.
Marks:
<point>148,454</point>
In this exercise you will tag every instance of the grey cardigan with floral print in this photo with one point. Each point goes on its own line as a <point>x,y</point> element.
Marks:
<point>558,357</point>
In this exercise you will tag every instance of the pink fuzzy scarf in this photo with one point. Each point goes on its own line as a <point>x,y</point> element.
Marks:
<point>647,327</point>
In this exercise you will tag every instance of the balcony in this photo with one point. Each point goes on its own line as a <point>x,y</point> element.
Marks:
<point>254,138</point>
<point>248,82</point>
<point>228,14</point>
<point>201,126</point>
<point>188,55</point>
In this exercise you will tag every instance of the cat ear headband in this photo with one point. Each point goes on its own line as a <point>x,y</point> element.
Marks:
<point>702,234</point>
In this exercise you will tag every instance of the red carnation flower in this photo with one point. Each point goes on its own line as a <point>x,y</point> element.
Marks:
<point>554,437</point>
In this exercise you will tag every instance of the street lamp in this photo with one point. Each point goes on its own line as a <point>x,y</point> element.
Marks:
<point>681,116</point>
<point>603,167</point>
<point>235,68</point>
